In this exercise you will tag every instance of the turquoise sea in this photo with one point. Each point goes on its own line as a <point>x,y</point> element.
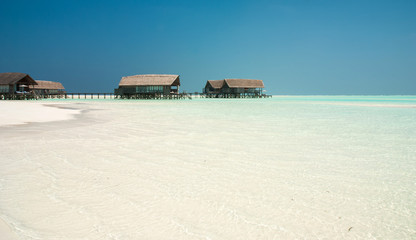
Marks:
<point>287,167</point>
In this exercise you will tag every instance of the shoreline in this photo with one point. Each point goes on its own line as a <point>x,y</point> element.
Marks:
<point>23,113</point>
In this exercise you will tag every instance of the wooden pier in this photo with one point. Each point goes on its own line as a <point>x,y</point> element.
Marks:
<point>17,96</point>
<point>233,95</point>
<point>33,96</point>
<point>89,96</point>
<point>154,96</point>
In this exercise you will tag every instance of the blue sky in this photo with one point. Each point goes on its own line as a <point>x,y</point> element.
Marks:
<point>296,47</point>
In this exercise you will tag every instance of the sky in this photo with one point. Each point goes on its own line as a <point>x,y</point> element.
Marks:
<point>297,47</point>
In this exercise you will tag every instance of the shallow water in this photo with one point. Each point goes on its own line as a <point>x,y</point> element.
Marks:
<point>304,167</point>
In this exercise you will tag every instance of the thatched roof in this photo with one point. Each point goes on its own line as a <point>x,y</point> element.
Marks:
<point>13,78</point>
<point>216,84</point>
<point>150,80</point>
<point>48,85</point>
<point>244,83</point>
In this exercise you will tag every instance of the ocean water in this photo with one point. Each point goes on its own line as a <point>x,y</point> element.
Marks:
<point>289,167</point>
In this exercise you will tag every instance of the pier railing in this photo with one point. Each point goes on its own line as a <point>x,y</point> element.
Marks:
<point>27,96</point>
<point>88,96</point>
<point>153,96</point>
<point>233,95</point>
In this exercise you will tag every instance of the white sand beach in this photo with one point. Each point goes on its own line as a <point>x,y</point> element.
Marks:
<point>208,169</point>
<point>22,112</point>
<point>6,232</point>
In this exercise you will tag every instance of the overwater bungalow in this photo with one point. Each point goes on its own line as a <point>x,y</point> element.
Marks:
<point>148,86</point>
<point>48,89</point>
<point>213,86</point>
<point>15,85</point>
<point>234,88</point>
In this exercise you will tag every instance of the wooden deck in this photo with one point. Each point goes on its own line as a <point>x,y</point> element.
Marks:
<point>233,95</point>
<point>154,96</point>
<point>17,96</point>
<point>89,96</point>
<point>32,96</point>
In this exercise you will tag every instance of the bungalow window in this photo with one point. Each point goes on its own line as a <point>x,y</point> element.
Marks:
<point>158,89</point>
<point>149,89</point>
<point>4,88</point>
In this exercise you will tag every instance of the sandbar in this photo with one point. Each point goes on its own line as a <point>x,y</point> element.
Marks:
<point>23,112</point>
